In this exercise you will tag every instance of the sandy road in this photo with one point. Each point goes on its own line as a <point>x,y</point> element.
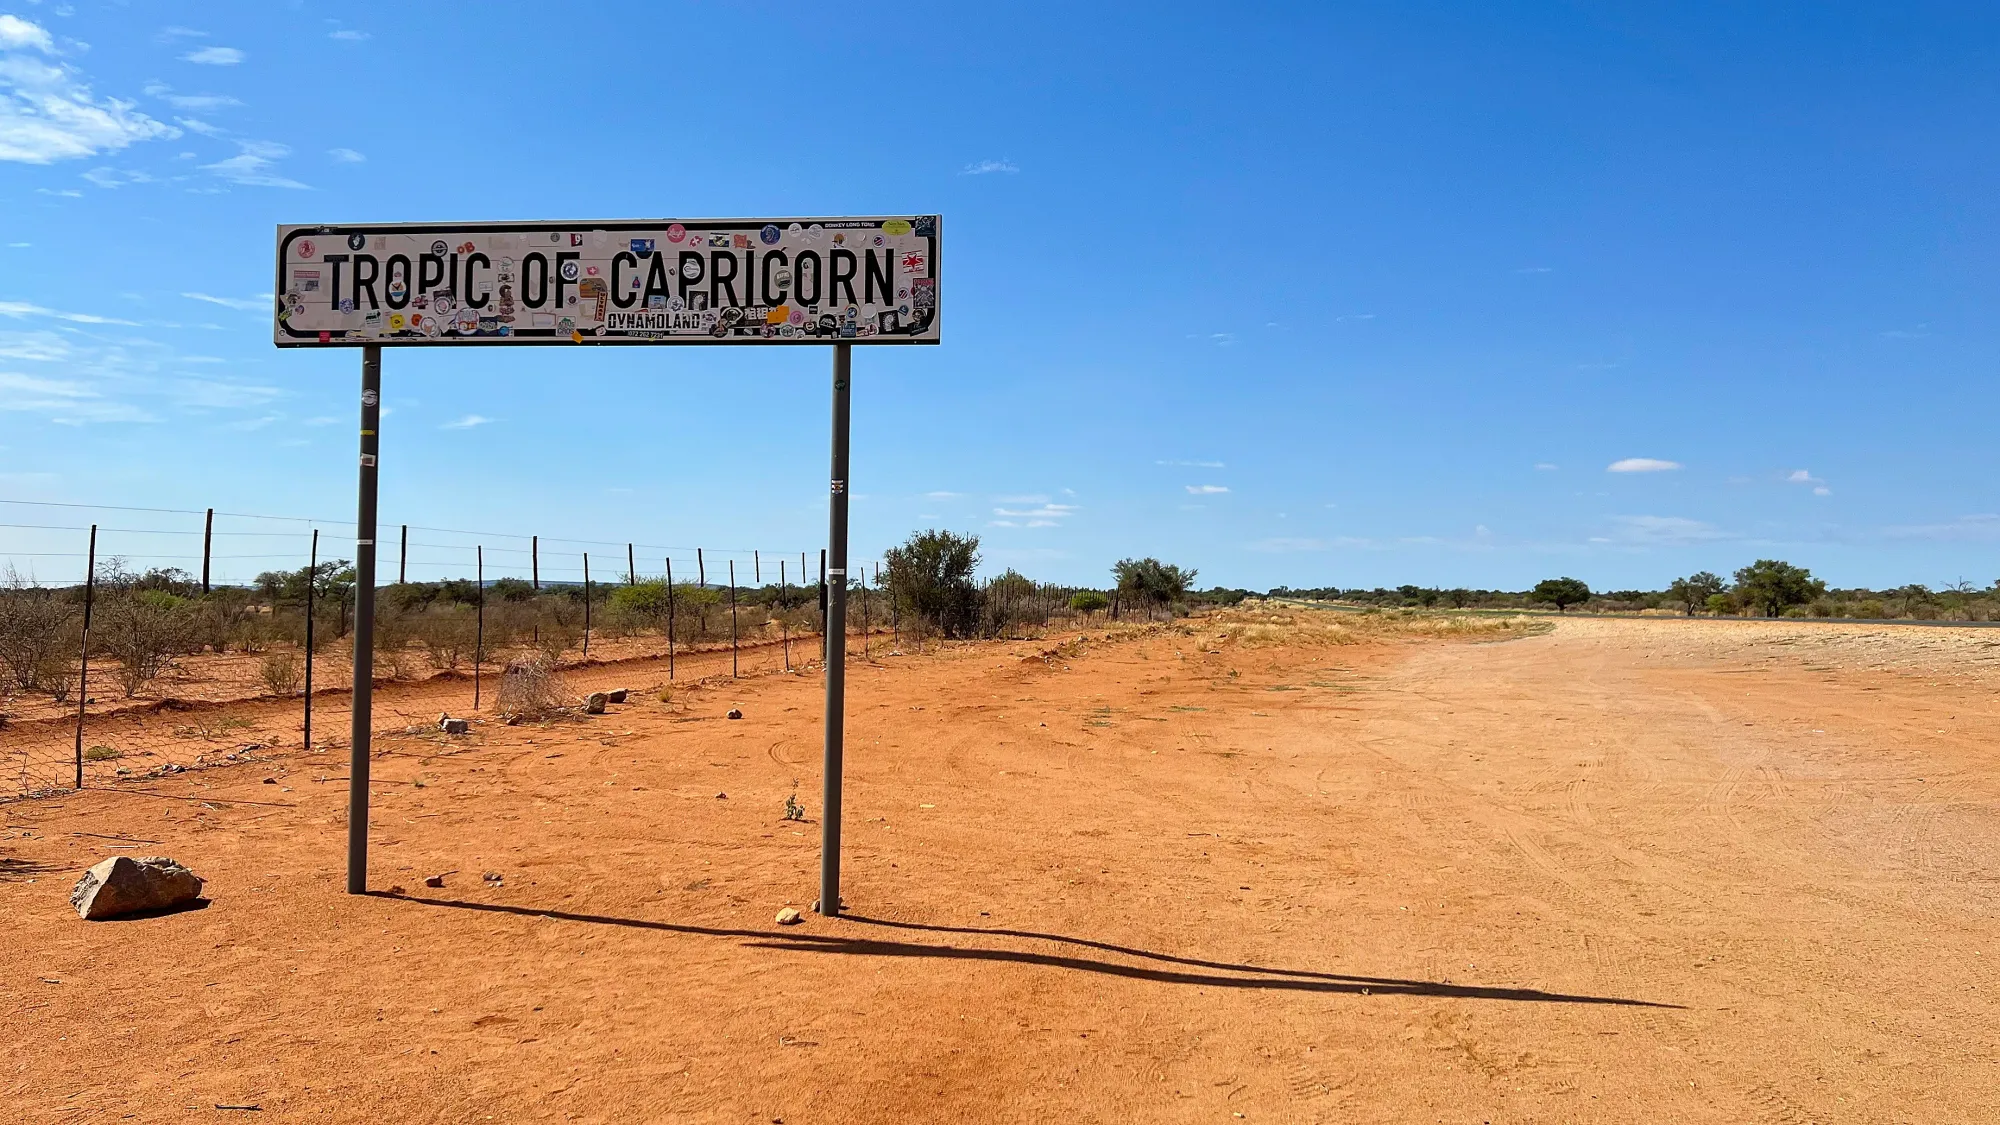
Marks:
<point>1618,873</point>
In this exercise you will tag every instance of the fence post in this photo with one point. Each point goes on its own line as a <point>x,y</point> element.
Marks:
<point>631,568</point>
<point>756,568</point>
<point>700,570</point>
<point>864,611</point>
<point>732,619</point>
<point>784,630</point>
<point>670,617</point>
<point>586,605</point>
<point>535,561</point>
<point>207,540</point>
<point>479,634</point>
<point>83,680</point>
<point>403,558</point>
<point>312,588</point>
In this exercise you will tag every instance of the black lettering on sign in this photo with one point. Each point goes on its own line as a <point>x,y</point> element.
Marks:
<point>333,283</point>
<point>475,298</point>
<point>430,271</point>
<point>451,282</point>
<point>658,284</point>
<point>844,266</point>
<point>868,287</point>
<point>535,280</point>
<point>772,260</point>
<point>721,280</point>
<point>621,294</point>
<point>389,282</point>
<point>366,271</point>
<point>807,258</point>
<point>561,283</point>
<point>685,277</point>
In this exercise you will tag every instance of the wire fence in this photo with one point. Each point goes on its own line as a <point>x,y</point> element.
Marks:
<point>161,640</point>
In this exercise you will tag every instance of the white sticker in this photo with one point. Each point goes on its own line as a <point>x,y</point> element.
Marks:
<point>367,460</point>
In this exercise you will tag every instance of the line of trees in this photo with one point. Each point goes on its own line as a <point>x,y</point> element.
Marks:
<point>1766,587</point>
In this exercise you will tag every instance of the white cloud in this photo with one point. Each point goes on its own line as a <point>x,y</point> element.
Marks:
<point>467,422</point>
<point>941,495</point>
<point>166,94</point>
<point>1799,476</point>
<point>1545,467</point>
<point>1822,491</point>
<point>348,35</point>
<point>1642,465</point>
<point>260,303</point>
<point>1207,489</point>
<point>1666,531</point>
<point>33,385</point>
<point>19,310</point>
<point>169,34</point>
<point>345,155</point>
<point>254,166</point>
<point>215,56</point>
<point>988,167</point>
<point>196,125</point>
<point>17,34</point>
<point>1043,515</point>
<point>47,112</point>
<point>322,420</point>
<point>1193,464</point>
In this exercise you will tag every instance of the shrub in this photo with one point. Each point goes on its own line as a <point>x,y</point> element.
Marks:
<point>39,635</point>
<point>447,634</point>
<point>143,631</point>
<point>530,689</point>
<point>1088,601</point>
<point>283,672</point>
<point>930,580</point>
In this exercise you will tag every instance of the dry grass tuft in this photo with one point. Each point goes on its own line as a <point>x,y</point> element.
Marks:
<point>531,689</point>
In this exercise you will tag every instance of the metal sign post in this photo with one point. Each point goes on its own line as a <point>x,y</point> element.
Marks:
<point>636,282</point>
<point>836,639</point>
<point>364,623</point>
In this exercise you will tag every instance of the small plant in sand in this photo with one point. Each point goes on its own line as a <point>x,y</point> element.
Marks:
<point>794,810</point>
<point>282,672</point>
<point>531,689</point>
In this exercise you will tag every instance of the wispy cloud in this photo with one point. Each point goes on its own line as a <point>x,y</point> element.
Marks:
<point>20,310</point>
<point>345,156</point>
<point>255,166</point>
<point>47,111</point>
<point>1219,339</point>
<point>1642,465</point>
<point>1207,489</point>
<point>988,167</point>
<point>348,35</point>
<point>1982,528</point>
<point>1533,269</point>
<point>166,94</point>
<point>1665,531</point>
<point>1545,467</point>
<point>1043,515</point>
<point>260,303</point>
<point>214,56</point>
<point>1193,464</point>
<point>174,34</point>
<point>468,422</point>
<point>942,495</point>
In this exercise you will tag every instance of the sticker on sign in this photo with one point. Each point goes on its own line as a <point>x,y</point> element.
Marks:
<point>641,281</point>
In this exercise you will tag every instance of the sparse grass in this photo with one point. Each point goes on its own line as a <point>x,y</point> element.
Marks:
<point>1253,625</point>
<point>102,754</point>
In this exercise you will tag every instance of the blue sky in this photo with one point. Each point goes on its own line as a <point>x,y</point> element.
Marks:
<point>1315,294</point>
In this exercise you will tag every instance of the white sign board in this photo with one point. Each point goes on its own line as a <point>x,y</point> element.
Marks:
<point>649,281</point>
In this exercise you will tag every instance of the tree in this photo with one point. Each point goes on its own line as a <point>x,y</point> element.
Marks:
<point>1151,580</point>
<point>1459,597</point>
<point>1695,590</point>
<point>1773,586</point>
<point>1088,601</point>
<point>1563,592</point>
<point>930,578</point>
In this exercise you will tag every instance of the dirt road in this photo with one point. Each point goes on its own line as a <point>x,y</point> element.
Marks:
<point>1622,872</point>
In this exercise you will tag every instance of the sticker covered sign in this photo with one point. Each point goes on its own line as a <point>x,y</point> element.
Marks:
<point>644,281</point>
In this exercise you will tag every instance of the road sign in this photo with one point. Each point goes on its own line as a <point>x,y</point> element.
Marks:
<point>646,281</point>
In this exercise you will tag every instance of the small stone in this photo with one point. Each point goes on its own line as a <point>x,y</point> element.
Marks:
<point>270,781</point>
<point>456,726</point>
<point>722,796</point>
<point>492,876</point>
<point>433,880</point>
<point>124,885</point>
<point>733,714</point>
<point>616,696</point>
<point>593,704</point>
<point>789,917</point>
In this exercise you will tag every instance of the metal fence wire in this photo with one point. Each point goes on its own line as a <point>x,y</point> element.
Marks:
<point>139,642</point>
